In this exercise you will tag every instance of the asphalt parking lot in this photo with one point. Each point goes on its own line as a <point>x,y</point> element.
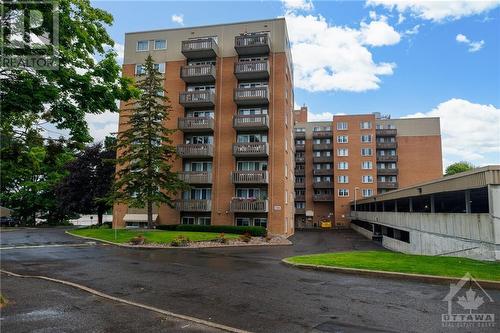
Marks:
<point>245,288</point>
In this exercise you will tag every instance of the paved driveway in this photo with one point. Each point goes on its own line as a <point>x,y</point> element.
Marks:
<point>246,288</point>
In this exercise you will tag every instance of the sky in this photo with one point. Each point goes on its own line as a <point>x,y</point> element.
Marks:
<point>409,58</point>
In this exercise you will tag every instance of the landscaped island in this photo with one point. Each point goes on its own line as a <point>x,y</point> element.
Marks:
<point>404,263</point>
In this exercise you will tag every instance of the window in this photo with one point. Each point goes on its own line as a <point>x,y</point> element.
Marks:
<point>198,166</point>
<point>160,67</point>
<point>187,220</point>
<point>365,124</point>
<point>300,142</point>
<point>244,138</point>
<point>198,194</point>
<point>300,205</point>
<point>251,166</point>
<point>300,130</point>
<point>343,179</point>
<point>139,69</point>
<point>199,139</point>
<point>367,165</point>
<point>342,152</point>
<point>342,126</point>
<point>248,193</point>
<point>366,138</point>
<point>343,166</point>
<point>342,139</point>
<point>142,45</point>
<point>260,222</point>
<point>367,192</point>
<point>367,179</point>
<point>160,44</point>
<point>366,152</point>
<point>243,221</point>
<point>204,220</point>
<point>253,111</point>
<point>343,192</point>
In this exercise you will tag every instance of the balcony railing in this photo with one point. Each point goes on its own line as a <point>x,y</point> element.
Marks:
<point>300,197</point>
<point>300,185</point>
<point>252,70</point>
<point>300,211</point>
<point>386,132</point>
<point>322,172</point>
<point>258,43</point>
<point>200,48</point>
<point>195,150</point>
<point>387,145</point>
<point>300,159</point>
<point>387,158</point>
<point>188,205</point>
<point>387,185</point>
<point>242,205</point>
<point>196,177</point>
<point>196,124</point>
<point>322,159</point>
<point>198,73</point>
<point>200,98</point>
<point>387,171</point>
<point>250,177</point>
<point>299,135</point>
<point>300,172</point>
<point>323,184</point>
<point>250,149</point>
<point>323,197</point>
<point>251,96</point>
<point>322,146</point>
<point>300,147</point>
<point>322,134</point>
<point>251,122</point>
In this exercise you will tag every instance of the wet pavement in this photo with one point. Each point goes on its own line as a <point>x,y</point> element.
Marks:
<point>247,288</point>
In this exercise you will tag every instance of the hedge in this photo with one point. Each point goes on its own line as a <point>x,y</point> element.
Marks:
<point>230,229</point>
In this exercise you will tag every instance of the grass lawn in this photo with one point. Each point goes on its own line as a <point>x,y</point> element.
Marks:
<point>153,236</point>
<point>405,263</point>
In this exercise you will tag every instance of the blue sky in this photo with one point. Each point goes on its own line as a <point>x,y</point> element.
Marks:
<point>400,58</point>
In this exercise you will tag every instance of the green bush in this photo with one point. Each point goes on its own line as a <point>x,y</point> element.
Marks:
<point>180,241</point>
<point>229,229</point>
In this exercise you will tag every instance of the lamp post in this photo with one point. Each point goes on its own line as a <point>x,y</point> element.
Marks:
<point>355,197</point>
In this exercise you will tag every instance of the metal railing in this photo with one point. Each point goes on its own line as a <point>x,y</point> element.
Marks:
<point>387,158</point>
<point>250,177</point>
<point>243,205</point>
<point>244,67</point>
<point>196,123</point>
<point>195,150</point>
<point>189,205</point>
<point>251,94</point>
<point>201,97</point>
<point>251,149</point>
<point>201,44</point>
<point>387,145</point>
<point>196,177</point>
<point>323,197</point>
<point>251,121</point>
<point>191,71</point>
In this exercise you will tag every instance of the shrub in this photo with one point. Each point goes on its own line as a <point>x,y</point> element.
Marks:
<point>167,227</point>
<point>180,241</point>
<point>229,229</point>
<point>221,239</point>
<point>138,240</point>
<point>246,237</point>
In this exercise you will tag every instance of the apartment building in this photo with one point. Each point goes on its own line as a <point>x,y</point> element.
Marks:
<point>358,156</point>
<point>231,89</point>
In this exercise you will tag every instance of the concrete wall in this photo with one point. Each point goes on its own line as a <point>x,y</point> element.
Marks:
<point>368,234</point>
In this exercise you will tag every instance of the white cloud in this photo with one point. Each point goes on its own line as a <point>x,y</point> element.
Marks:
<point>438,10</point>
<point>413,31</point>
<point>178,18</point>
<point>328,57</point>
<point>324,116</point>
<point>401,18</point>
<point>470,131</point>
<point>292,5</point>
<point>473,46</point>
<point>102,125</point>
<point>120,51</point>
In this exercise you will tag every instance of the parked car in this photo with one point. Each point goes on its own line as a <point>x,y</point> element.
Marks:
<point>8,221</point>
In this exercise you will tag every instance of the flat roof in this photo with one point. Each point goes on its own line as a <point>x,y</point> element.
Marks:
<point>478,177</point>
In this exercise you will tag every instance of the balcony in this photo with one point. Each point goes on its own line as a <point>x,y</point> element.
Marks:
<point>300,185</point>
<point>387,158</point>
<point>200,48</point>
<point>251,96</point>
<point>300,172</point>
<point>250,177</point>
<point>323,197</point>
<point>300,147</point>
<point>243,205</point>
<point>188,205</point>
<point>252,70</point>
<point>387,145</point>
<point>387,185</point>
<point>323,184</point>
<point>251,122</point>
<point>198,73</point>
<point>196,177</point>
<point>299,135</point>
<point>200,98</point>
<point>322,146</point>
<point>251,149</point>
<point>195,150</point>
<point>322,159</point>
<point>300,197</point>
<point>384,172</point>
<point>195,124</point>
<point>300,159</point>
<point>322,134</point>
<point>323,172</point>
<point>258,43</point>
<point>300,211</point>
<point>386,132</point>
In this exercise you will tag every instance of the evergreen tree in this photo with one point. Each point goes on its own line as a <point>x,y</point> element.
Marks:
<point>145,151</point>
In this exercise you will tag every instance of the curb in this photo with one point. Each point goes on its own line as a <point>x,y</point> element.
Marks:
<point>392,275</point>
<point>150,247</point>
<point>124,301</point>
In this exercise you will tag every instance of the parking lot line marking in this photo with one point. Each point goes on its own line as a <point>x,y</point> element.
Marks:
<point>46,245</point>
<point>124,301</point>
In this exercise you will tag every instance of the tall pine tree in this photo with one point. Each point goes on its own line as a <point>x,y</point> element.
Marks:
<point>145,151</point>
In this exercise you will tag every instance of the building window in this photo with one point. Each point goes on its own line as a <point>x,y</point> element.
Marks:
<point>139,69</point>
<point>300,205</point>
<point>342,152</point>
<point>160,44</point>
<point>365,124</point>
<point>142,45</point>
<point>343,179</point>
<point>343,166</point>
<point>300,130</point>
<point>160,67</point>
<point>342,139</point>
<point>366,138</point>
<point>367,179</point>
<point>367,165</point>
<point>343,192</point>
<point>342,126</point>
<point>367,192</point>
<point>366,152</point>
<point>260,222</point>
